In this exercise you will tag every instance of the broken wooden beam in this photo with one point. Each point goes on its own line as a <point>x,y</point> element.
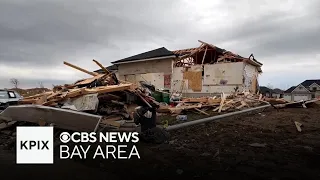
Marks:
<point>101,66</point>
<point>80,69</point>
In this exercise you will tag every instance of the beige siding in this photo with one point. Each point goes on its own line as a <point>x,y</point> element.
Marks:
<point>153,72</point>
<point>144,67</point>
<point>217,78</point>
<point>224,73</point>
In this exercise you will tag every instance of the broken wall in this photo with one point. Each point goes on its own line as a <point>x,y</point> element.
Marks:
<point>156,72</point>
<point>250,78</point>
<point>216,78</point>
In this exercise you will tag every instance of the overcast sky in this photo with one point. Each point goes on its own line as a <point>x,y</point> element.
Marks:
<point>36,36</point>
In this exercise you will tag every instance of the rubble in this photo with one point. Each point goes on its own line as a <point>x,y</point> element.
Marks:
<point>224,103</point>
<point>103,101</point>
<point>112,100</point>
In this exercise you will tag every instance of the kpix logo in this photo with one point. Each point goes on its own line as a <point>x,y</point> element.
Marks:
<point>34,145</point>
<point>29,145</point>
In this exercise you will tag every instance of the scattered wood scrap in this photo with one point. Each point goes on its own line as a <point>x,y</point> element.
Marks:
<point>298,126</point>
<point>217,104</point>
<point>111,97</point>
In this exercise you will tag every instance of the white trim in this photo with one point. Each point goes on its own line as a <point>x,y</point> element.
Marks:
<point>301,86</point>
<point>150,59</point>
<point>315,84</point>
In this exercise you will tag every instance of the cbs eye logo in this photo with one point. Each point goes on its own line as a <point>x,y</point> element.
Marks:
<point>65,137</point>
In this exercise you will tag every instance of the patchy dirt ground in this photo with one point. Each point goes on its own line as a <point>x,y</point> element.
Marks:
<point>258,146</point>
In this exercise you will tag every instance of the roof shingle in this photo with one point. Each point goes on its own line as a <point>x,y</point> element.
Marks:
<point>307,83</point>
<point>160,52</point>
<point>290,89</point>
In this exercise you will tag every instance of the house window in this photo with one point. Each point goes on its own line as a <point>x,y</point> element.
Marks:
<point>313,96</point>
<point>314,88</point>
<point>300,87</point>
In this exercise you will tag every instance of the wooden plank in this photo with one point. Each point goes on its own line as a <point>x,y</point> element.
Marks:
<point>205,52</point>
<point>177,110</point>
<point>196,100</point>
<point>76,92</point>
<point>101,66</point>
<point>107,89</point>
<point>27,101</point>
<point>37,95</point>
<point>53,95</point>
<point>202,112</point>
<point>41,100</point>
<point>194,80</point>
<point>90,80</point>
<point>80,69</point>
<point>222,102</point>
<point>298,126</point>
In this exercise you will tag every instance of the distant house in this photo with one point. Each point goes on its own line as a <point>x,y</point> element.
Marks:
<point>265,91</point>
<point>306,90</point>
<point>278,93</point>
<point>271,93</point>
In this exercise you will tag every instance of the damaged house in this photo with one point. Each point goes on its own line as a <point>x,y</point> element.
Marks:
<point>201,71</point>
<point>211,70</point>
<point>154,67</point>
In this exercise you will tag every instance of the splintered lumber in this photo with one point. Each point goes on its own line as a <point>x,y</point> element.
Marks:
<point>27,101</point>
<point>213,100</point>
<point>80,69</point>
<point>243,104</point>
<point>202,112</point>
<point>145,101</point>
<point>101,66</point>
<point>108,89</point>
<point>90,80</point>
<point>38,95</point>
<point>298,126</point>
<point>222,101</point>
<point>41,100</point>
<point>53,95</point>
<point>196,100</point>
<point>177,110</point>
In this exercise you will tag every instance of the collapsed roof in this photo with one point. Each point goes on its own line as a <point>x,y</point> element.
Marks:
<point>209,54</point>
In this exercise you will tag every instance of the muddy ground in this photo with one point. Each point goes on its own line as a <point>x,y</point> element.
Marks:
<point>266,145</point>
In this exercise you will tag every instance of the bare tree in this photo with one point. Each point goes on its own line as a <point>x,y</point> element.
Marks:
<point>269,86</point>
<point>14,82</point>
<point>41,85</point>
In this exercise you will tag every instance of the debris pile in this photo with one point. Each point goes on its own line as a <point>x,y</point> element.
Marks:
<point>109,103</point>
<point>220,104</point>
<point>30,92</point>
<point>103,94</point>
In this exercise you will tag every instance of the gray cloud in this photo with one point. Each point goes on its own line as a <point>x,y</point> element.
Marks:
<point>42,34</point>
